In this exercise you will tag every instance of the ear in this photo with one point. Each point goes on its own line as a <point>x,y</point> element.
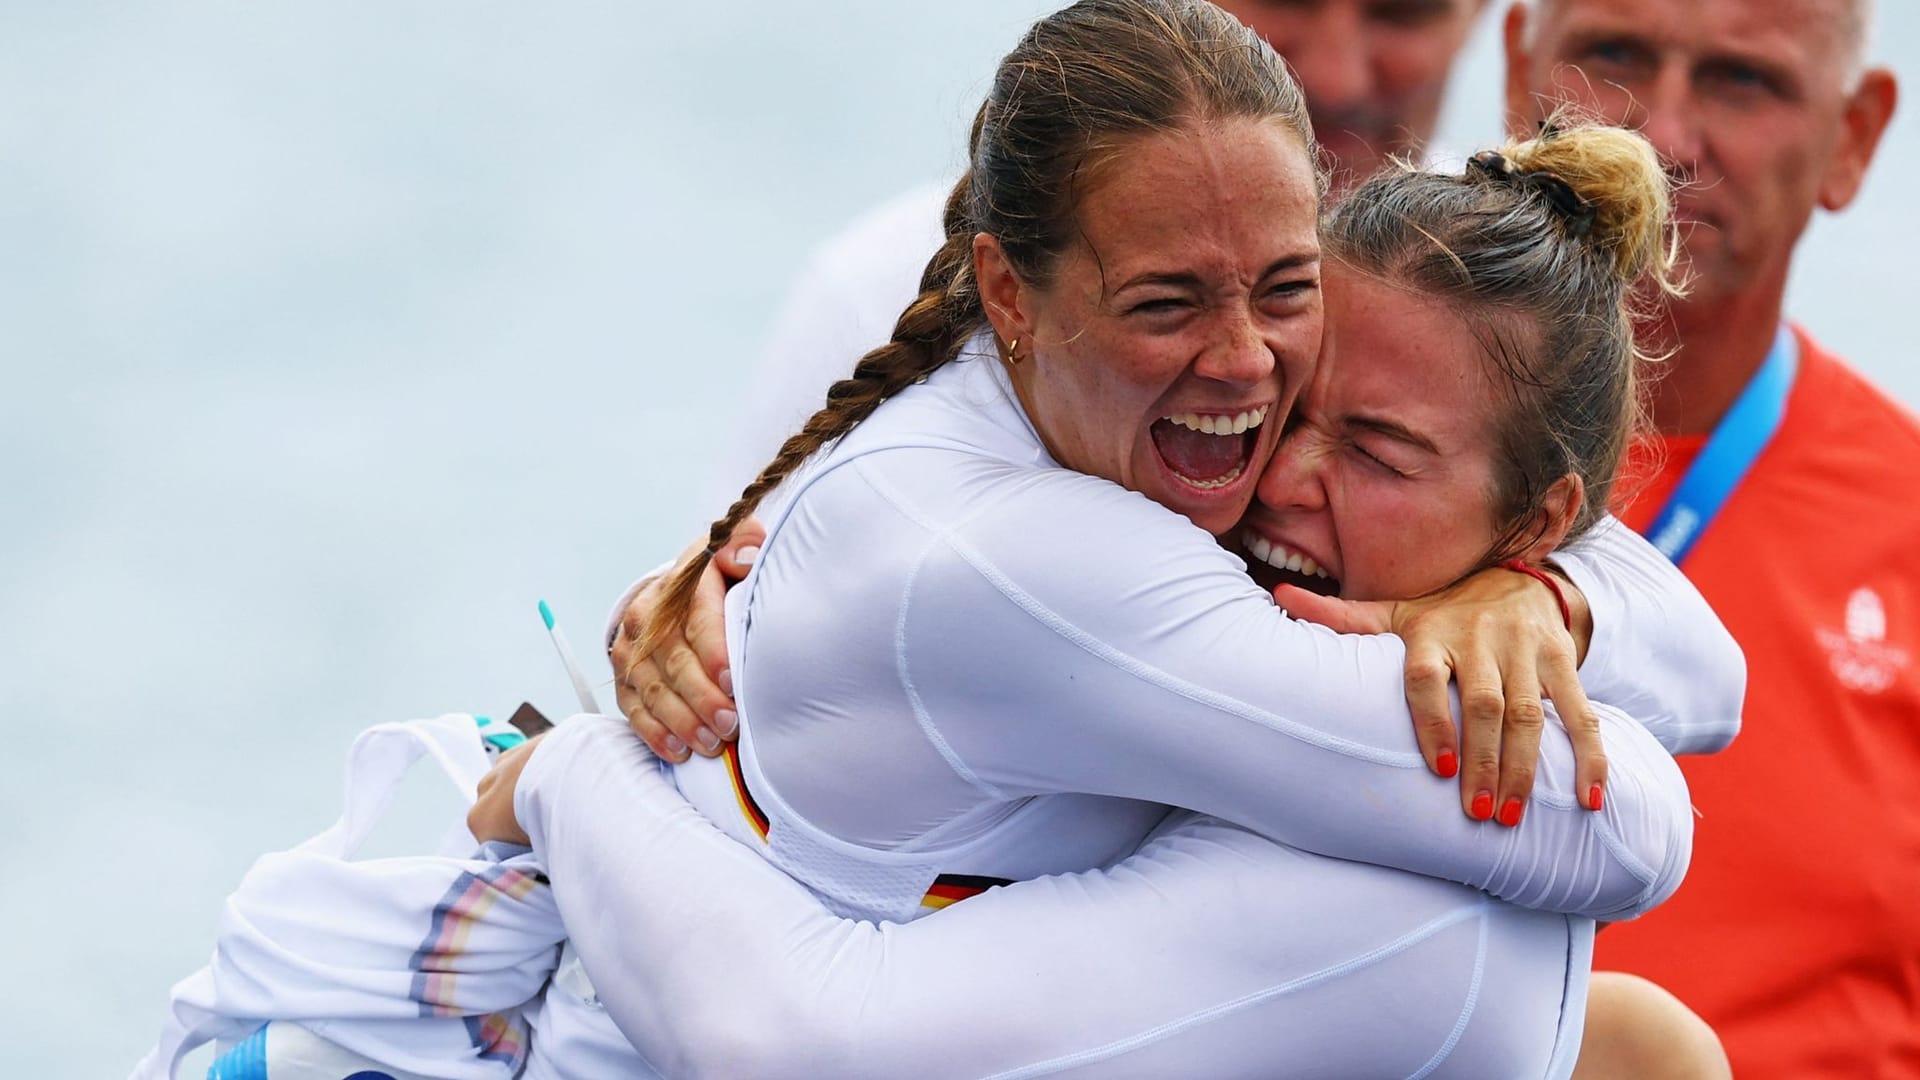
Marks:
<point>1557,512</point>
<point>1521,109</point>
<point>1868,111</point>
<point>1007,299</point>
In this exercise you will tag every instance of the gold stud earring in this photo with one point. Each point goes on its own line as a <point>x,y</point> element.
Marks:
<point>1013,352</point>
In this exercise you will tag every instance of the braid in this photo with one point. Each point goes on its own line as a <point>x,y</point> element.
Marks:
<point>929,333</point>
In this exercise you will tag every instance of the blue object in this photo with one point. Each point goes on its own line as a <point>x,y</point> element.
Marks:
<point>546,614</point>
<point>307,1059</point>
<point>1729,453</point>
<point>500,736</point>
<point>246,1061</point>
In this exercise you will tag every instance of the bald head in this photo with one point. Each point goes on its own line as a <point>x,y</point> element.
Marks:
<point>1760,108</point>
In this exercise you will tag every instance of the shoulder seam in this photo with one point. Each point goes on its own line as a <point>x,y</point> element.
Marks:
<point>929,728</point>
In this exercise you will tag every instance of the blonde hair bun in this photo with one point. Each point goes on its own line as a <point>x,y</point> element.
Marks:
<point>1618,174</point>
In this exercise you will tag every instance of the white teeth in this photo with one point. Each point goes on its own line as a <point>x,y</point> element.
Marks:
<point>1279,556</point>
<point>1210,424</point>
<point>1218,481</point>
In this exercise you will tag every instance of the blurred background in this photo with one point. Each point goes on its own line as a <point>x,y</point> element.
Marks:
<point>336,336</point>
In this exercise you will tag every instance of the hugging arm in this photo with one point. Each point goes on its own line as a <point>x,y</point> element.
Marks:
<point>1210,945</point>
<point>1157,671</point>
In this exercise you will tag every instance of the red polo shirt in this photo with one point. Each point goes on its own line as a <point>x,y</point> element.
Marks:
<point>1797,933</point>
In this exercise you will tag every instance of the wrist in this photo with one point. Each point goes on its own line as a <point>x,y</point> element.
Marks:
<point>1575,615</point>
<point>1579,612</point>
<point>1541,576</point>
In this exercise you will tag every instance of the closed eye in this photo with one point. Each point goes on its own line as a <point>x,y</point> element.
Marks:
<point>1375,461</point>
<point>1159,305</point>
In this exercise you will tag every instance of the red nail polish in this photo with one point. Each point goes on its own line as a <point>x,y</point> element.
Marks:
<point>1482,807</point>
<point>1448,765</point>
<point>1510,813</point>
<point>1594,799</point>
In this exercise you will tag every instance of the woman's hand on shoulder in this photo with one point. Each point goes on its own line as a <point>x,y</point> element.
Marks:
<point>1500,636</point>
<point>679,699</point>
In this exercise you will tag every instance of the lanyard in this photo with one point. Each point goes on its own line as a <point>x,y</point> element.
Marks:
<point>1730,451</point>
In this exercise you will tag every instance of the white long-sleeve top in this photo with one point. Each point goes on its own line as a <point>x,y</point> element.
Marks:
<point>1409,953</point>
<point>1212,952</point>
<point>946,631</point>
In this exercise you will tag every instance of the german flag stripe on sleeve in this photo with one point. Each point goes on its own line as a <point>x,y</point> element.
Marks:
<point>953,888</point>
<point>755,816</point>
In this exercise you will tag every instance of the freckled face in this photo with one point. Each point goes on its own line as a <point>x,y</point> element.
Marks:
<point>1385,480</point>
<point>1175,334</point>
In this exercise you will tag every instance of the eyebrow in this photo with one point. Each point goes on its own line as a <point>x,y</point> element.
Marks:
<point>1393,430</point>
<point>1191,280</point>
<point>1586,37</point>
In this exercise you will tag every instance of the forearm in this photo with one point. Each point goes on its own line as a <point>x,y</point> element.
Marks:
<point>593,800</point>
<point>1292,731</point>
<point>1211,946</point>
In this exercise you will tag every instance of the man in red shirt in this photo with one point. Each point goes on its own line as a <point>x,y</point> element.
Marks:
<point>1781,482</point>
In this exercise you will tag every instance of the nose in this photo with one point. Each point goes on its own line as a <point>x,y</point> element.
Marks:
<point>1295,479</point>
<point>1671,121</point>
<point>1330,60</point>
<point>1239,358</point>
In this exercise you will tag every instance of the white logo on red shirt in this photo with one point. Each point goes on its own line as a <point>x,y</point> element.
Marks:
<point>1861,657</point>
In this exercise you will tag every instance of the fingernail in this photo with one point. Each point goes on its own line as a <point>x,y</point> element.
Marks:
<point>708,741</point>
<point>1510,813</point>
<point>727,721</point>
<point>726,681</point>
<point>1594,798</point>
<point>1448,765</point>
<point>746,555</point>
<point>675,747</point>
<point>1482,806</point>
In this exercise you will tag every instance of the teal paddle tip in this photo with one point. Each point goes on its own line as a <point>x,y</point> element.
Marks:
<point>546,614</point>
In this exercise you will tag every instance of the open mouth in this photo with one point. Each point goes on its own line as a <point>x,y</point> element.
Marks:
<point>1277,564</point>
<point>1205,450</point>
